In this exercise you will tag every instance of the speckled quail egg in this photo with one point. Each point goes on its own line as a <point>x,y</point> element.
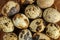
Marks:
<point>45,3</point>
<point>10,36</point>
<point>10,8</point>
<point>37,25</point>
<point>21,21</point>
<point>40,36</point>
<point>32,11</point>
<point>6,24</point>
<point>51,15</point>
<point>53,30</point>
<point>25,35</point>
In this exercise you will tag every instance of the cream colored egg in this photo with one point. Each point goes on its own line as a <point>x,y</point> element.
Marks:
<point>21,21</point>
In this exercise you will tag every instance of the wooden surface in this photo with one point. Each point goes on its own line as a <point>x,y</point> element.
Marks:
<point>56,5</point>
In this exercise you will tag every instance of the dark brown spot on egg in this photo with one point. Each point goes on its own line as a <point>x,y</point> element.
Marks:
<point>56,25</point>
<point>54,30</point>
<point>33,8</point>
<point>26,21</point>
<point>13,34</point>
<point>29,15</point>
<point>37,23</point>
<point>9,21</point>
<point>23,32</point>
<point>51,24</point>
<point>38,28</point>
<point>46,29</point>
<point>48,33</point>
<point>10,36</point>
<point>36,37</point>
<point>6,24</point>
<point>25,37</point>
<point>27,33</point>
<point>21,36</point>
<point>17,6</point>
<point>49,17</point>
<point>29,9</point>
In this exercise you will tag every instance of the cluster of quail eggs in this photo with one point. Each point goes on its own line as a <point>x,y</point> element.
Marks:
<point>32,22</point>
